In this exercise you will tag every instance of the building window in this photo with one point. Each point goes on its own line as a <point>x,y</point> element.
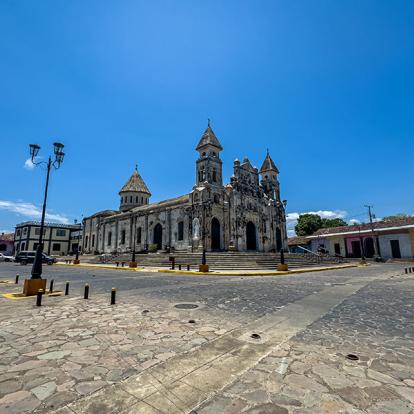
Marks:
<point>35,246</point>
<point>214,175</point>
<point>139,235</point>
<point>337,248</point>
<point>121,199</point>
<point>61,233</point>
<point>109,238</point>
<point>181,230</point>
<point>18,232</point>
<point>3,247</point>
<point>123,237</point>
<point>130,199</point>
<point>25,231</point>
<point>136,199</point>
<point>56,247</point>
<point>86,241</point>
<point>142,200</point>
<point>23,246</point>
<point>37,231</point>
<point>93,240</point>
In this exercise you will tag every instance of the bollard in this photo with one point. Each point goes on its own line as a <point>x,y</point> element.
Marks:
<point>122,264</point>
<point>51,286</point>
<point>17,280</point>
<point>188,268</point>
<point>86,292</point>
<point>117,264</point>
<point>113,293</point>
<point>67,289</point>
<point>179,267</point>
<point>406,270</point>
<point>39,297</point>
<point>410,270</point>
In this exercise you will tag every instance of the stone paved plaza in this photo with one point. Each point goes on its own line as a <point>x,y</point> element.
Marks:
<point>144,355</point>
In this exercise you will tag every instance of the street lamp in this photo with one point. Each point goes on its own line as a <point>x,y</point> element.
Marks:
<point>56,163</point>
<point>133,262</point>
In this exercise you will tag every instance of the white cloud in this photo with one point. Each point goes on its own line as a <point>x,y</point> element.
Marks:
<point>354,221</point>
<point>31,211</point>
<point>292,218</point>
<point>28,164</point>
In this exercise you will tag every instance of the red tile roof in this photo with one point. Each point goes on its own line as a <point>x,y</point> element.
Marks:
<point>407,221</point>
<point>7,237</point>
<point>296,241</point>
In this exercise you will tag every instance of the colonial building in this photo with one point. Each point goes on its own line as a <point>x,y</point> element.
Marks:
<point>391,239</point>
<point>246,214</point>
<point>58,239</point>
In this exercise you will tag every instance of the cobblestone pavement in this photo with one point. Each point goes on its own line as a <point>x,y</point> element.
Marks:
<point>311,373</point>
<point>70,348</point>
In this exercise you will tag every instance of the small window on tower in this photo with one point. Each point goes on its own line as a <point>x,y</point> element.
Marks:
<point>122,199</point>
<point>214,175</point>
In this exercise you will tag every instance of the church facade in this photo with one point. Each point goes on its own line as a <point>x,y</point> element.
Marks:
<point>246,214</point>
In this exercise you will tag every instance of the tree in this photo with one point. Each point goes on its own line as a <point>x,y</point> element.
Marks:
<point>308,224</point>
<point>336,222</point>
<point>396,217</point>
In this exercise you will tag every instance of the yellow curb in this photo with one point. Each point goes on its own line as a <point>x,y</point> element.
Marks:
<point>87,266</point>
<point>276,273</point>
<point>7,282</point>
<point>17,296</point>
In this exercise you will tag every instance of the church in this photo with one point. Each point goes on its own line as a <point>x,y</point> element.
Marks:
<point>246,214</point>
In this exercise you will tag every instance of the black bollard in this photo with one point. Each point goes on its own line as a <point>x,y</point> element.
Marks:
<point>122,264</point>
<point>117,264</point>
<point>188,268</point>
<point>39,297</point>
<point>86,292</point>
<point>17,280</point>
<point>179,267</point>
<point>406,270</point>
<point>67,289</point>
<point>113,293</point>
<point>51,286</point>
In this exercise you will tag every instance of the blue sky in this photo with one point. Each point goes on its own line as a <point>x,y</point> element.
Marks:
<point>327,86</point>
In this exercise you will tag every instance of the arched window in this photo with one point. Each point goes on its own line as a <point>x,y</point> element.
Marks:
<point>214,175</point>
<point>109,238</point>
<point>130,199</point>
<point>136,200</point>
<point>123,237</point>
<point>122,199</point>
<point>139,235</point>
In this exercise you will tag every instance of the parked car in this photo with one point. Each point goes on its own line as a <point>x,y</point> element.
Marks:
<point>26,257</point>
<point>4,258</point>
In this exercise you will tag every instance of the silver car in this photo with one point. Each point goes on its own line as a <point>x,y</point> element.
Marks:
<point>4,258</point>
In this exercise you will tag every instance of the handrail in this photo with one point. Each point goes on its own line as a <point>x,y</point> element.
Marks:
<point>309,251</point>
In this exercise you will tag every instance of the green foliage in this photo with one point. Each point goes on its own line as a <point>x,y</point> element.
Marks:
<point>309,223</point>
<point>336,222</point>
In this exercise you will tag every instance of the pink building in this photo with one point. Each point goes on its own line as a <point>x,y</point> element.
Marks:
<point>7,243</point>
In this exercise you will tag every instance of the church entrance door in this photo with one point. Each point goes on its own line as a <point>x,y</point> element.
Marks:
<point>251,243</point>
<point>158,236</point>
<point>215,234</point>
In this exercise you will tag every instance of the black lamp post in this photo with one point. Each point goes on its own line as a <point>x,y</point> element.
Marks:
<point>133,262</point>
<point>59,155</point>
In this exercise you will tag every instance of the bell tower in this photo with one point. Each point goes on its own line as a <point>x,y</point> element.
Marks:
<point>270,183</point>
<point>209,164</point>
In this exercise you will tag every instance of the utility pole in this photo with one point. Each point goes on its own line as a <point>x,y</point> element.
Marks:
<point>374,236</point>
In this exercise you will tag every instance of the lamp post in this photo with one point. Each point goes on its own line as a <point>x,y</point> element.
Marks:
<point>133,262</point>
<point>56,163</point>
